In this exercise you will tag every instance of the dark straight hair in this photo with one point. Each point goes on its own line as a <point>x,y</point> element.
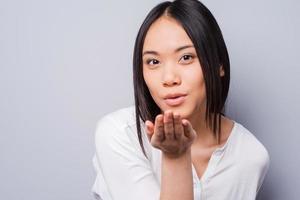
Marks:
<point>204,32</point>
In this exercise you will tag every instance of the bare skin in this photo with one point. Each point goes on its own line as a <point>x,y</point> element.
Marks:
<point>173,140</point>
<point>173,136</point>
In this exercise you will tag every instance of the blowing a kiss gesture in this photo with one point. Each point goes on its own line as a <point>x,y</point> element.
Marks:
<point>170,134</point>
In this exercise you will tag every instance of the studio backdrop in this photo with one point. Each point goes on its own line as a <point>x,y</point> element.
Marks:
<point>64,64</point>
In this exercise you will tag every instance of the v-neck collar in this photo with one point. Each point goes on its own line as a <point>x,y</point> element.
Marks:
<point>212,161</point>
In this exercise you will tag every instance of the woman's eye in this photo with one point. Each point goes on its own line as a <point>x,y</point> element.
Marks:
<point>152,62</point>
<point>187,58</point>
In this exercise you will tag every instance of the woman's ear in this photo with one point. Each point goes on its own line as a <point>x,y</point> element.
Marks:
<point>222,73</point>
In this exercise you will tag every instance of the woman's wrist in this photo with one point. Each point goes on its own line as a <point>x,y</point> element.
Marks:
<point>179,155</point>
<point>176,176</point>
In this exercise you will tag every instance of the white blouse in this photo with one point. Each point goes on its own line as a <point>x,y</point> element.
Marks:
<point>235,171</point>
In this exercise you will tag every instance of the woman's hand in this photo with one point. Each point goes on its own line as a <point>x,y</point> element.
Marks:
<point>170,134</point>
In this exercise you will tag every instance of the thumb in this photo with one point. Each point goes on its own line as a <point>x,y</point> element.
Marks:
<point>188,129</point>
<point>149,129</point>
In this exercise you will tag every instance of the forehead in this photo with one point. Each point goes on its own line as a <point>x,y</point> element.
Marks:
<point>165,35</point>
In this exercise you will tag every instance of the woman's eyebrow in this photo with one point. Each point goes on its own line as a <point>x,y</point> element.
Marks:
<point>176,50</point>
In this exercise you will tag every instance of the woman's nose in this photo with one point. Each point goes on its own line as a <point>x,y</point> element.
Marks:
<point>170,76</point>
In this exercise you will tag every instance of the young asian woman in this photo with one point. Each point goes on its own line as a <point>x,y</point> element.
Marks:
<point>176,142</point>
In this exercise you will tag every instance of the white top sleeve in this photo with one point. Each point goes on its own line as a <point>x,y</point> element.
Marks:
<point>123,172</point>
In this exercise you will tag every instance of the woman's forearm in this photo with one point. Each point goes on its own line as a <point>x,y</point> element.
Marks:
<point>177,177</point>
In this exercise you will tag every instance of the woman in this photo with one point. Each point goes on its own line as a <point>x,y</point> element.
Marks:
<point>176,142</point>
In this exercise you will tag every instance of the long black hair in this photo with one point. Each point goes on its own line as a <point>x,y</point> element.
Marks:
<point>204,32</point>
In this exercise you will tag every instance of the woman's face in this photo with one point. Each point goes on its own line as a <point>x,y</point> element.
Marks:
<point>170,66</point>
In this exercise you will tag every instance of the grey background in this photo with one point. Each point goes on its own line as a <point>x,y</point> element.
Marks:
<point>63,64</point>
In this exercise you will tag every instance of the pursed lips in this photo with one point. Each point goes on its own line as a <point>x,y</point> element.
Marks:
<point>174,99</point>
<point>174,95</point>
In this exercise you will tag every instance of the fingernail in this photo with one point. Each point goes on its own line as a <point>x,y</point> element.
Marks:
<point>160,117</point>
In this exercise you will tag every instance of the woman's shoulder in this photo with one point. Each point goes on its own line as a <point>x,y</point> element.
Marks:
<point>251,148</point>
<point>116,122</point>
<point>122,116</point>
<point>117,129</point>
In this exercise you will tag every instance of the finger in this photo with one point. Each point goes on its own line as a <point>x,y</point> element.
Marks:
<point>149,129</point>
<point>168,125</point>
<point>178,127</point>
<point>188,129</point>
<point>159,128</point>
